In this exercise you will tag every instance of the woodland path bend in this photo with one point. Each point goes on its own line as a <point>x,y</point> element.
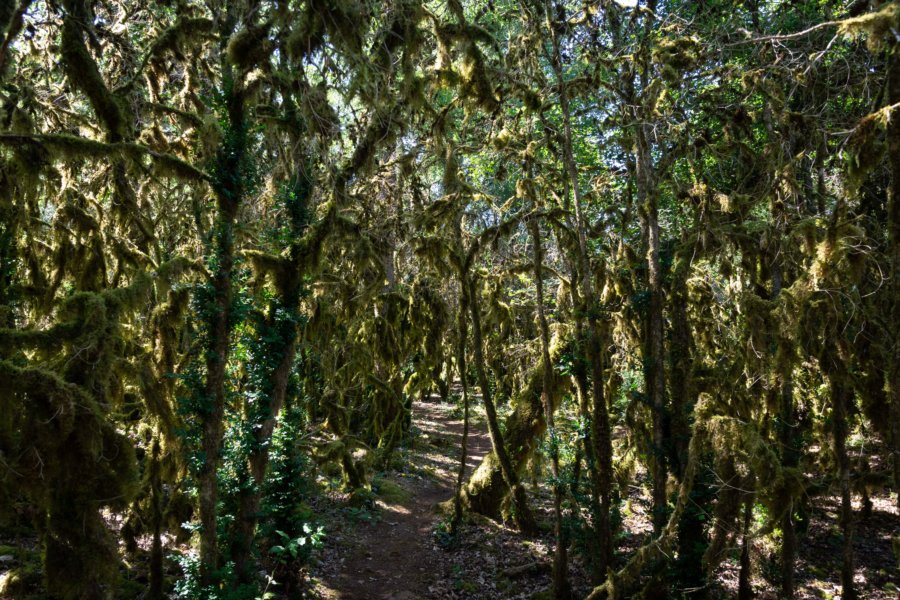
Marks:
<point>394,556</point>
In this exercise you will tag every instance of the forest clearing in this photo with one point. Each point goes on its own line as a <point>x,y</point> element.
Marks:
<point>490,299</point>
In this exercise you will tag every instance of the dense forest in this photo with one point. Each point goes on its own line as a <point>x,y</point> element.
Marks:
<point>504,298</point>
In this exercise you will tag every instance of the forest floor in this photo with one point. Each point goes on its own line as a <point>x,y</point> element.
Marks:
<point>393,550</point>
<point>396,553</point>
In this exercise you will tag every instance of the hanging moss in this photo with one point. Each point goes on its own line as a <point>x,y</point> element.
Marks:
<point>878,26</point>
<point>675,56</point>
<point>83,74</point>
<point>74,464</point>
<point>250,46</point>
<point>485,492</point>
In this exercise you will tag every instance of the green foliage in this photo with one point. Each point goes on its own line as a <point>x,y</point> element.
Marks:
<point>239,242</point>
<point>190,587</point>
<point>299,549</point>
<point>443,535</point>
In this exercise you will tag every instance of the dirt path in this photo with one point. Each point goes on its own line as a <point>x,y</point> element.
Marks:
<point>395,555</point>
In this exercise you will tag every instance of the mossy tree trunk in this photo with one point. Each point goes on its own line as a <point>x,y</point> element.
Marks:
<point>522,515</point>
<point>281,329</point>
<point>229,188</point>
<point>485,491</point>
<point>786,426</point>
<point>258,461</point>
<point>11,13</point>
<point>462,333</point>
<point>693,539</point>
<point>157,575</point>
<point>745,587</point>
<point>654,351</point>
<point>893,224</point>
<point>841,397</point>
<point>561,588</point>
<point>601,436</point>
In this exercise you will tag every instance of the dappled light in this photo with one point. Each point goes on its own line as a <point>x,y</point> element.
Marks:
<point>449,299</point>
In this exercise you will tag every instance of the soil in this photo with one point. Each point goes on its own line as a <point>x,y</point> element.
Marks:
<point>393,548</point>
<point>392,551</point>
<point>397,554</point>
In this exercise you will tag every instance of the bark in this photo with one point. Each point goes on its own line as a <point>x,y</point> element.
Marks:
<point>681,375</point>
<point>11,20</point>
<point>156,550</point>
<point>692,537</point>
<point>580,380</point>
<point>485,490</point>
<point>250,499</point>
<point>745,588</point>
<point>616,586</point>
<point>229,191</point>
<point>693,541</point>
<point>727,512</point>
<point>892,338</point>
<point>841,397</point>
<point>462,332</point>
<point>522,515</point>
<point>214,393</point>
<point>561,588</point>
<point>588,444</point>
<point>654,352</point>
<point>600,429</point>
<point>790,457</point>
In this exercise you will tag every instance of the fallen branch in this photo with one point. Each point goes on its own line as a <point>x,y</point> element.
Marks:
<point>534,568</point>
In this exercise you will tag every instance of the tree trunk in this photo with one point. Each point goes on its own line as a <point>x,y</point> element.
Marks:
<point>462,331</point>
<point>229,190</point>
<point>214,395</point>
<point>789,458</point>
<point>745,588</point>
<point>588,444</point>
<point>485,490</point>
<point>600,430</point>
<point>561,589</point>
<point>258,462</point>
<point>521,512</point>
<point>654,368</point>
<point>840,397</point>
<point>682,389</point>
<point>11,19</point>
<point>787,439</point>
<point>156,550</point>
<point>893,323</point>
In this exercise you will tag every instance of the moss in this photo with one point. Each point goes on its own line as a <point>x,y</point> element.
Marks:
<point>64,147</point>
<point>344,22</point>
<point>476,83</point>
<point>22,582</point>
<point>250,46</point>
<point>866,147</point>
<point>485,490</point>
<point>174,39</point>
<point>318,114</point>
<point>83,74</point>
<point>674,56</point>
<point>877,26</point>
<point>390,491</point>
<point>73,462</point>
